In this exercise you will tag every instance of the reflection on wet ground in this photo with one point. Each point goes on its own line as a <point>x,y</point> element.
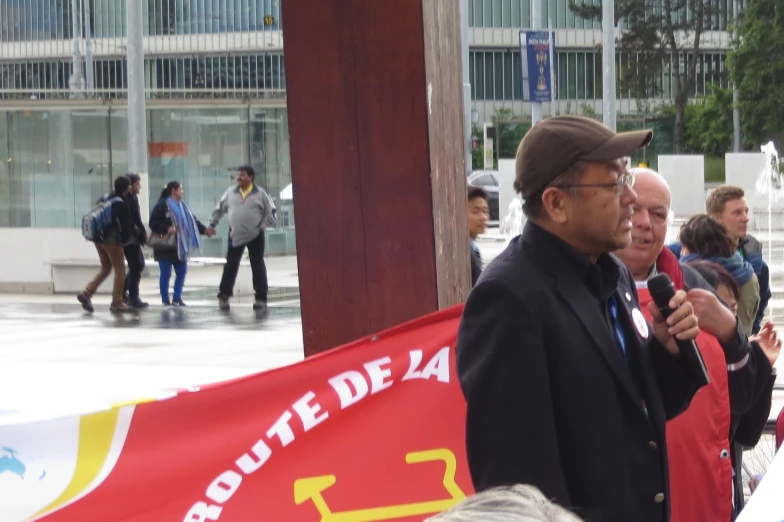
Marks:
<point>57,358</point>
<point>241,316</point>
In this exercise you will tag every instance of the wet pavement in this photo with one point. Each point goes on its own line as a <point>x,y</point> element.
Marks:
<point>56,358</point>
<point>240,317</point>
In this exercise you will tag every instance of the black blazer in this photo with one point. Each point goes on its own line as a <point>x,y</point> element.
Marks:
<point>138,232</point>
<point>551,401</point>
<point>476,266</point>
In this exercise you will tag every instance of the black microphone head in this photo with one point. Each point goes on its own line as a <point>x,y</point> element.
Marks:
<point>661,285</point>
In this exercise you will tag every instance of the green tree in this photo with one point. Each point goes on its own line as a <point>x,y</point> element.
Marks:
<point>709,123</point>
<point>478,154</point>
<point>758,71</point>
<point>663,34</point>
<point>510,130</point>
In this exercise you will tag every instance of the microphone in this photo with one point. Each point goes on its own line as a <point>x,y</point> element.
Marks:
<point>662,290</point>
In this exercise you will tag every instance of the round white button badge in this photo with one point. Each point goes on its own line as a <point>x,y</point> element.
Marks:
<point>640,323</point>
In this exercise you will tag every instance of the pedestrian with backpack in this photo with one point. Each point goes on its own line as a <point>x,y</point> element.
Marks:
<point>108,226</point>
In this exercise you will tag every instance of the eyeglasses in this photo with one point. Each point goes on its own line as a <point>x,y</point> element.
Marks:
<point>626,179</point>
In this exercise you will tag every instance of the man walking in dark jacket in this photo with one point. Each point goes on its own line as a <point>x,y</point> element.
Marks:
<point>251,211</point>
<point>133,250</point>
<point>110,251</point>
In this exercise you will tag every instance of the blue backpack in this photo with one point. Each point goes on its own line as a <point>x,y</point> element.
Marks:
<point>95,223</point>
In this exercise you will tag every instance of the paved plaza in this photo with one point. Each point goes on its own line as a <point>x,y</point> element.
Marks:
<point>57,358</point>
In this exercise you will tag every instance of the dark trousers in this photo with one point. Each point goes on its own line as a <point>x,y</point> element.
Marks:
<point>257,267</point>
<point>135,258</point>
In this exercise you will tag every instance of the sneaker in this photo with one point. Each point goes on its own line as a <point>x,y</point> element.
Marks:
<point>178,302</point>
<point>166,303</point>
<point>120,308</point>
<point>223,302</point>
<point>87,302</point>
<point>259,305</point>
<point>136,303</point>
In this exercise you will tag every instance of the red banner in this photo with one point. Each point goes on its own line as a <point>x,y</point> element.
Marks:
<point>159,149</point>
<point>371,431</point>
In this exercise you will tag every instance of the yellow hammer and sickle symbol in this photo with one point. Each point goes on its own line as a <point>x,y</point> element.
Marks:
<point>311,488</point>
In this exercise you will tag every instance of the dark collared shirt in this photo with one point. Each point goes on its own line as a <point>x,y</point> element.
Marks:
<point>600,277</point>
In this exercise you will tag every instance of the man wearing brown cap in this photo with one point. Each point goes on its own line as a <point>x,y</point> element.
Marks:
<point>568,388</point>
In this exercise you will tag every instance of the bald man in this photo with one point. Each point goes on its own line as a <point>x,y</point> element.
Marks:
<point>701,473</point>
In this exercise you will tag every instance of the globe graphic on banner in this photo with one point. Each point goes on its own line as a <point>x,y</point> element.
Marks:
<point>11,463</point>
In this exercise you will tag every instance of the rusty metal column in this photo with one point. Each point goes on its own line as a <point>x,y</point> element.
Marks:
<point>375,110</point>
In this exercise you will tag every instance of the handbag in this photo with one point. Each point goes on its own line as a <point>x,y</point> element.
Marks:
<point>163,241</point>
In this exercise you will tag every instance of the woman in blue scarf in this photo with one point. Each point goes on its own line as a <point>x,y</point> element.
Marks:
<point>171,216</point>
<point>704,238</point>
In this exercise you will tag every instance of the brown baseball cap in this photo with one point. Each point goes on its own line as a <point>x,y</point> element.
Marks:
<point>555,144</point>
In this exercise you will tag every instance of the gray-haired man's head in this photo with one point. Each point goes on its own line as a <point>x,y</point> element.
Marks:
<point>518,503</point>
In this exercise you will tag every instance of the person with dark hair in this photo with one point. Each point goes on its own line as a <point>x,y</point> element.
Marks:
<point>568,388</point>
<point>110,249</point>
<point>172,218</point>
<point>251,211</point>
<point>133,249</point>
<point>702,237</point>
<point>727,205</point>
<point>478,215</point>
<point>747,428</point>
<point>720,280</point>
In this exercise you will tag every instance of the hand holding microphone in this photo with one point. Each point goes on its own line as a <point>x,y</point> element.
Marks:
<point>675,325</point>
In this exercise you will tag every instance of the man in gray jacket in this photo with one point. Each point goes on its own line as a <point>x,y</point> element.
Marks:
<point>251,211</point>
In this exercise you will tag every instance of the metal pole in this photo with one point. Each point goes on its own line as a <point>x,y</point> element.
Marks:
<point>608,63</point>
<point>466,85</point>
<point>88,45</point>
<point>551,38</point>
<point>75,81</point>
<point>735,108</point>
<point>137,113</point>
<point>536,25</point>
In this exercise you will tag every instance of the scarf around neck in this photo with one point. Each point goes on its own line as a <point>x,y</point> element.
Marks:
<point>187,230</point>
<point>740,269</point>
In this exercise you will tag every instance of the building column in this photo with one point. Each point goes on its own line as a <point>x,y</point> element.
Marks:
<point>375,109</point>
<point>61,156</point>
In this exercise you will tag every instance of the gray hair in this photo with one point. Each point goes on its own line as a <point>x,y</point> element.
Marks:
<point>518,503</point>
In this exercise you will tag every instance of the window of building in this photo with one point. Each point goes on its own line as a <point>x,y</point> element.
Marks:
<point>495,75</point>
<point>516,13</point>
<point>188,76</point>
<point>57,163</point>
<point>30,20</point>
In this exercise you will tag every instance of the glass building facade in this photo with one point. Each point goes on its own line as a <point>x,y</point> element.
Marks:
<point>215,83</point>
<point>234,76</point>
<point>30,20</point>
<point>58,162</point>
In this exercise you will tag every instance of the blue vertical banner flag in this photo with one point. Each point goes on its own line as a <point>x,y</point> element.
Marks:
<point>535,55</point>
